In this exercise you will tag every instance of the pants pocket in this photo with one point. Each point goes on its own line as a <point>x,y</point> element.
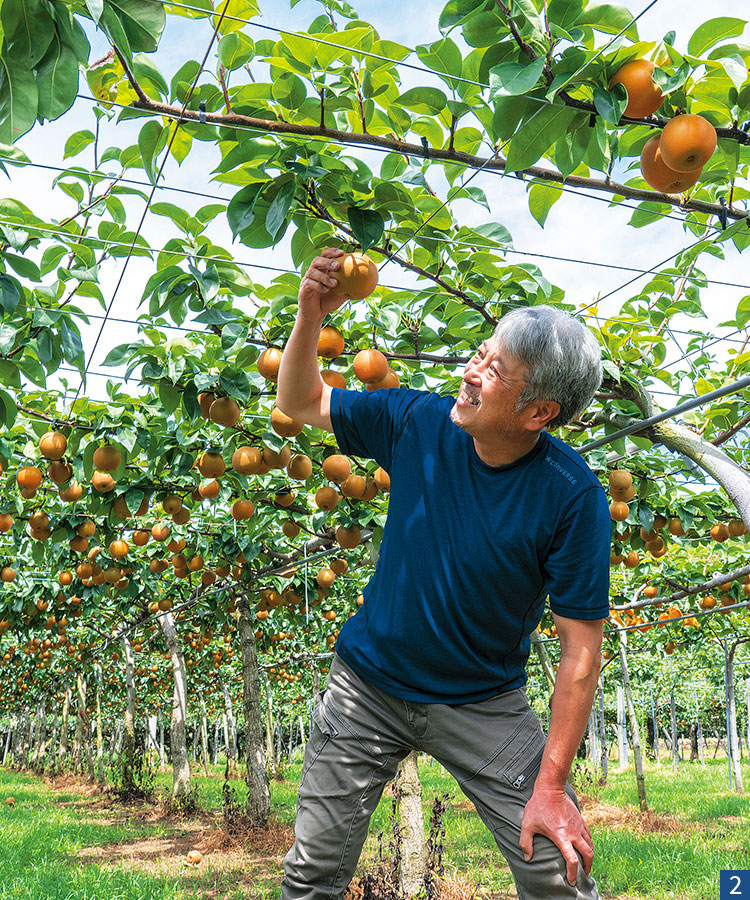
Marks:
<point>522,769</point>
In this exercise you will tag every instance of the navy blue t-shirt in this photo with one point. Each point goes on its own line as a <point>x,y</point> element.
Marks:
<point>469,551</point>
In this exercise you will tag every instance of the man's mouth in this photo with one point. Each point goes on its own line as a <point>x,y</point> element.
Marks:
<point>468,396</point>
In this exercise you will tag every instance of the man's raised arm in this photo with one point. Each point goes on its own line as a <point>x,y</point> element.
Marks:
<point>302,393</point>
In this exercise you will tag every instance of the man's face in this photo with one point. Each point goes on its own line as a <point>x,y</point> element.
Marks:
<point>486,404</point>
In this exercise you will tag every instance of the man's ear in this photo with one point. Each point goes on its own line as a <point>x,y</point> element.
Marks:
<point>541,413</point>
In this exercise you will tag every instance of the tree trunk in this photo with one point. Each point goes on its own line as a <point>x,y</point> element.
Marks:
<point>544,660</point>
<point>640,778</point>
<point>64,726</point>
<point>52,764</point>
<point>731,476</point>
<point>128,741</point>
<point>413,855</point>
<point>734,750</point>
<point>204,732</point>
<point>693,742</point>
<point>85,728</point>
<point>78,737</point>
<point>673,718</point>
<point>39,738</point>
<point>99,731</point>
<point>622,736</point>
<point>178,740</point>
<point>259,793</point>
<point>230,731</point>
<point>9,739</point>
<point>269,729</point>
<point>603,733</point>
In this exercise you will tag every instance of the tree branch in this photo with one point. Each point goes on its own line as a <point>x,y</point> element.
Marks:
<point>438,154</point>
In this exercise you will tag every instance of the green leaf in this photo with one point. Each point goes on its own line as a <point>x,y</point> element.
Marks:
<point>611,104</point>
<point>367,225</point>
<point>564,13</point>
<point>711,32</point>
<point>233,336</point>
<point>142,21</point>
<point>29,29</point>
<point>427,100</point>
<point>10,294</point>
<point>147,74</point>
<point>442,56</point>
<point>9,409</point>
<point>611,18</point>
<point>150,141</point>
<point>241,209</point>
<point>280,205</point>
<point>496,233</point>
<point>509,111</point>
<point>95,7</point>
<point>112,26</point>
<point>571,148</point>
<point>25,267</point>
<point>541,199</point>
<point>78,142</point>
<point>235,50</point>
<point>57,81</point>
<point>743,311</point>
<point>512,78</point>
<point>119,355</point>
<point>454,11</point>
<point>7,337</point>
<point>71,33</point>
<point>169,396</point>
<point>71,343</point>
<point>537,134</point>
<point>18,100</point>
<point>237,9</point>
<point>235,384</point>
<point>669,83</point>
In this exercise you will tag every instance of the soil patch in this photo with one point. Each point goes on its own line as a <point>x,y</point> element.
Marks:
<point>595,812</point>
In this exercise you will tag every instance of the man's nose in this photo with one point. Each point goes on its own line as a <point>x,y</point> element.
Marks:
<point>471,372</point>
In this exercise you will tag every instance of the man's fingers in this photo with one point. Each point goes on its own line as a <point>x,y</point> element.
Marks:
<point>324,278</point>
<point>330,252</point>
<point>571,860</point>
<point>526,843</point>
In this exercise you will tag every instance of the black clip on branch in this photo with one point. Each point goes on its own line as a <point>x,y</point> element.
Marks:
<point>202,109</point>
<point>426,148</point>
<point>723,213</point>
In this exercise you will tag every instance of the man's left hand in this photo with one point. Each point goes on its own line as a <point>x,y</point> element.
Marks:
<point>553,814</point>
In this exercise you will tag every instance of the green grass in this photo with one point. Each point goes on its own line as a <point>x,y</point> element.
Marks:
<point>44,833</point>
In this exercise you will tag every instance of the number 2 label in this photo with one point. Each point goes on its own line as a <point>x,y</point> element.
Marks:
<point>735,884</point>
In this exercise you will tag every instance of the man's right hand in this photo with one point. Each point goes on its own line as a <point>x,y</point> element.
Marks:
<point>317,290</point>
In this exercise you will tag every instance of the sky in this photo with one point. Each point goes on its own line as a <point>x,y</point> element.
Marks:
<point>577,227</point>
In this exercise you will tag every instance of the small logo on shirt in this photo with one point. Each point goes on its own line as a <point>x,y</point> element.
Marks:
<point>564,472</point>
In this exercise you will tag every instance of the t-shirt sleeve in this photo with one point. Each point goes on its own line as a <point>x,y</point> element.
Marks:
<point>369,423</point>
<point>577,567</point>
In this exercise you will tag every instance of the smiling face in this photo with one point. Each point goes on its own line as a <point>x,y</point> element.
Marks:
<point>486,407</point>
<point>492,383</point>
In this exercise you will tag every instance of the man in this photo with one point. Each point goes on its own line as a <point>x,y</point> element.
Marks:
<point>488,515</point>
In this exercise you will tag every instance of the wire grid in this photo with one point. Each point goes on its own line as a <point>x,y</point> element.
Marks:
<point>511,250</point>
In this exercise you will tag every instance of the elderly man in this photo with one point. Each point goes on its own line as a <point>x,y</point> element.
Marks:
<point>489,515</point>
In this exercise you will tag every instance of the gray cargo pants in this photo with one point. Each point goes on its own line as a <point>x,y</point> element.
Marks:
<point>360,734</point>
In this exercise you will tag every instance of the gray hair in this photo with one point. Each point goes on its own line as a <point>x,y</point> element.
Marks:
<point>561,354</point>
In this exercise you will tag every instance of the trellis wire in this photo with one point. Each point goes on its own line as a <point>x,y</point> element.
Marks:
<point>149,201</point>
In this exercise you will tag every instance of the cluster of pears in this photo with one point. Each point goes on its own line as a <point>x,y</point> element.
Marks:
<point>672,161</point>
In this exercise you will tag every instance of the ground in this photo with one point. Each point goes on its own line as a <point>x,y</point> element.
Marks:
<point>65,840</point>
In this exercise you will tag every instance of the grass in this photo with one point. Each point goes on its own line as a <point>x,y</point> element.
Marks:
<point>72,844</point>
